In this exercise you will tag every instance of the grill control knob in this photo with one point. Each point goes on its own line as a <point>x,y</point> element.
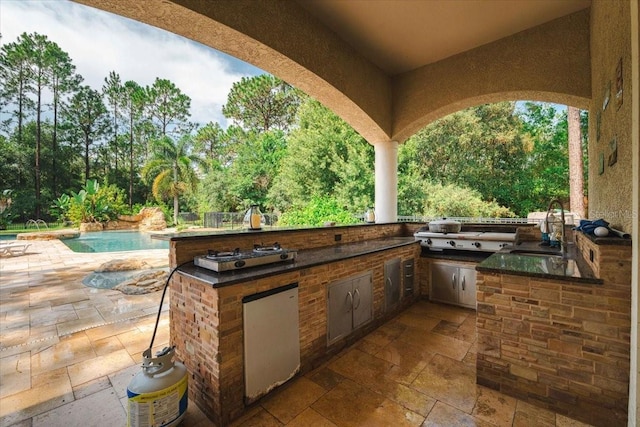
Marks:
<point>284,256</point>
<point>452,243</point>
<point>476,244</point>
<point>239,263</point>
<point>428,241</point>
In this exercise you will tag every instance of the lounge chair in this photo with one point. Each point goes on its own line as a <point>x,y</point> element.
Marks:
<point>13,249</point>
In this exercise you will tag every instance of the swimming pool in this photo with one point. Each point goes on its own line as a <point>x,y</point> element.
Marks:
<point>114,241</point>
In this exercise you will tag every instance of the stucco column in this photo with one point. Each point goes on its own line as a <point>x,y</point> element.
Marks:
<point>386,172</point>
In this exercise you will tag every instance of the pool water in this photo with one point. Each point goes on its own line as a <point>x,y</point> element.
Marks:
<point>8,236</point>
<point>114,241</point>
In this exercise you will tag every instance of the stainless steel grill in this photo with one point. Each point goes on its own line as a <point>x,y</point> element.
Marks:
<point>466,240</point>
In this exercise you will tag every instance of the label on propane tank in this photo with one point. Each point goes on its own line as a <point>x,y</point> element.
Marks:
<point>157,408</point>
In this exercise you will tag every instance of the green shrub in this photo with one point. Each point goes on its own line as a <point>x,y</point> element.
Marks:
<point>315,213</point>
<point>450,200</point>
<point>96,203</point>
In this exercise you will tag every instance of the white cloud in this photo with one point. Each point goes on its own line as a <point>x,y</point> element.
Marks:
<point>99,42</point>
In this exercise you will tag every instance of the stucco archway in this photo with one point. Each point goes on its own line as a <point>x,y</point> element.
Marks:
<point>287,40</point>
<point>548,62</point>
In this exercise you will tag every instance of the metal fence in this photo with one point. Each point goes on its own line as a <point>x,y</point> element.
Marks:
<point>233,220</point>
<point>35,225</point>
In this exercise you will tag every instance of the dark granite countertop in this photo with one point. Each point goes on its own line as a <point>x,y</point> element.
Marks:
<point>305,259</point>
<point>532,260</point>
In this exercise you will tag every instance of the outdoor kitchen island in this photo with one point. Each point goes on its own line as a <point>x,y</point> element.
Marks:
<point>206,307</point>
<point>554,331</point>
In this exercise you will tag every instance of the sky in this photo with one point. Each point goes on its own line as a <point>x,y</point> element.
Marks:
<point>99,42</point>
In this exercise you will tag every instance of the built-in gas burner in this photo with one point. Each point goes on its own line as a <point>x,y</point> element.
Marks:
<point>234,260</point>
<point>273,248</point>
<point>213,254</point>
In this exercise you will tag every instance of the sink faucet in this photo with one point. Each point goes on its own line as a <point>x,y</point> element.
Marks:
<point>563,239</point>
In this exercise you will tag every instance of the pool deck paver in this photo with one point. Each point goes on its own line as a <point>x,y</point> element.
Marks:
<point>68,351</point>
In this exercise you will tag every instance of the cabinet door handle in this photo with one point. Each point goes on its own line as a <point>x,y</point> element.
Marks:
<point>453,280</point>
<point>389,281</point>
<point>350,300</point>
<point>356,292</point>
<point>463,286</point>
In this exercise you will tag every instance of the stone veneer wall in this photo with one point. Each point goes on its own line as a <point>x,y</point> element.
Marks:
<point>185,249</point>
<point>561,345</point>
<point>206,325</point>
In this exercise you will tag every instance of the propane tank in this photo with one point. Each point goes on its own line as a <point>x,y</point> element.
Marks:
<point>157,396</point>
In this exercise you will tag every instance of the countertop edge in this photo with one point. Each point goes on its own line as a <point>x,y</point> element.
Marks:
<point>579,280</point>
<point>208,234</point>
<point>308,260</point>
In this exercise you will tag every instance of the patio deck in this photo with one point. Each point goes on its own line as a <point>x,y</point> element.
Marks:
<point>67,353</point>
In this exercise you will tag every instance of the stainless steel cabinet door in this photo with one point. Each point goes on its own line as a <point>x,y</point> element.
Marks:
<point>444,283</point>
<point>362,300</point>
<point>467,290</point>
<point>392,283</point>
<point>339,307</point>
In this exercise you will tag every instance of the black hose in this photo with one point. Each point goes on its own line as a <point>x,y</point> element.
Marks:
<point>164,291</point>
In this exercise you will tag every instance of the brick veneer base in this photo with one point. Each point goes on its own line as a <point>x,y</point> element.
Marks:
<point>560,345</point>
<point>206,325</point>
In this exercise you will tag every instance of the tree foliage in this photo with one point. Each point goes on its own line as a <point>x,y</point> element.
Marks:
<point>283,150</point>
<point>171,170</point>
<point>326,158</point>
<point>87,121</point>
<point>262,103</point>
<point>168,108</point>
<point>480,148</point>
<point>317,212</point>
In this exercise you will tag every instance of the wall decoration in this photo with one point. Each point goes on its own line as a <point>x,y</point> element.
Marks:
<point>619,84</point>
<point>613,152</point>
<point>601,163</point>
<point>606,96</point>
<point>598,123</point>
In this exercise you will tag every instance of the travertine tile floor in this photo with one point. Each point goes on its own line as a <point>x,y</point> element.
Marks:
<point>67,353</point>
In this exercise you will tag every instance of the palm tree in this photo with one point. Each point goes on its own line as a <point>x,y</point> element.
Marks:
<point>171,167</point>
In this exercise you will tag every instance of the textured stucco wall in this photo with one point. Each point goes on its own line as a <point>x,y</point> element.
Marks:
<point>549,62</point>
<point>634,391</point>
<point>610,193</point>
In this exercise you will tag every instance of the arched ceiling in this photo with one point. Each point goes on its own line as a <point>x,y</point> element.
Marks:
<point>403,35</point>
<point>388,67</point>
